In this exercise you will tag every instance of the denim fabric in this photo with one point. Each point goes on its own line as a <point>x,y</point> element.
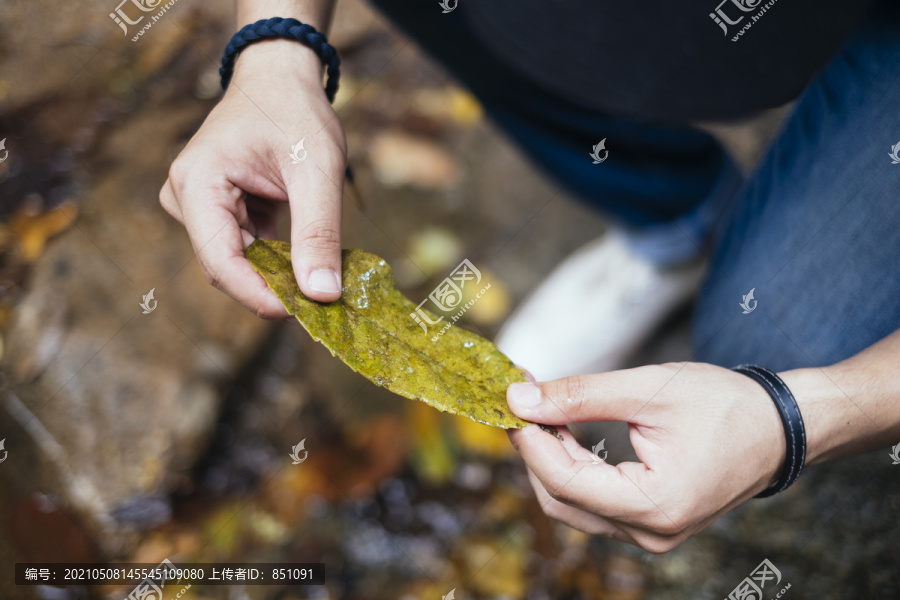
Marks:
<point>816,231</point>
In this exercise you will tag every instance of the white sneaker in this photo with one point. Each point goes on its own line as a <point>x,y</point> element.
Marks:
<point>595,310</point>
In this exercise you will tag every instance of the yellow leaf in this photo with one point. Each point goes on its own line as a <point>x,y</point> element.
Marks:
<point>479,439</point>
<point>492,306</point>
<point>371,329</point>
<point>432,455</point>
<point>33,230</point>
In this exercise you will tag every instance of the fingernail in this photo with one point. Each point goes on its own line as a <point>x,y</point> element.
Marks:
<point>324,280</point>
<point>525,395</point>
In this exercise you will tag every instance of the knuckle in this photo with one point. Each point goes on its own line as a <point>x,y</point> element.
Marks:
<point>319,236</point>
<point>670,369</point>
<point>668,525</point>
<point>260,312</point>
<point>560,492</point>
<point>167,201</point>
<point>662,370</point>
<point>211,276</point>
<point>178,171</point>
<point>215,282</point>
<point>575,390</point>
<point>657,545</point>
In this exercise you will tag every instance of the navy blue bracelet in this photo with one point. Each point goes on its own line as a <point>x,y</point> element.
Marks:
<point>292,29</point>
<point>794,431</point>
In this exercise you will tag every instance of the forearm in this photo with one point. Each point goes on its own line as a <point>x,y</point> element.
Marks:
<point>280,56</point>
<point>852,406</point>
<point>317,13</point>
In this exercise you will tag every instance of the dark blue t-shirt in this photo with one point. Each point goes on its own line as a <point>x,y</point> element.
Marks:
<point>667,60</point>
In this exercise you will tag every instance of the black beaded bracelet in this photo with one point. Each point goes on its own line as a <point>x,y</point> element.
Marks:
<point>278,27</point>
<point>794,430</point>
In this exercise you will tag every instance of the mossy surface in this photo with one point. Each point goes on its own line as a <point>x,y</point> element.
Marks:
<point>371,330</point>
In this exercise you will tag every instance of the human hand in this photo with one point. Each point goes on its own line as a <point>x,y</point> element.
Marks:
<point>235,177</point>
<point>708,440</point>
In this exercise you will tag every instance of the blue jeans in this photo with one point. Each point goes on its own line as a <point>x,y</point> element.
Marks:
<point>814,231</point>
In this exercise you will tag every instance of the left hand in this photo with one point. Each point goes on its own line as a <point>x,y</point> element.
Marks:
<point>708,440</point>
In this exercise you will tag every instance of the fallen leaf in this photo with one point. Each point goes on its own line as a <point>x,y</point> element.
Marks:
<point>399,159</point>
<point>486,442</point>
<point>223,530</point>
<point>371,330</point>
<point>505,559</point>
<point>435,250</point>
<point>448,103</point>
<point>433,455</point>
<point>431,251</point>
<point>464,108</point>
<point>352,466</point>
<point>493,305</point>
<point>33,230</point>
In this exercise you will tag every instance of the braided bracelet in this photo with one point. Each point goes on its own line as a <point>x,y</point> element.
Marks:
<point>791,420</point>
<point>278,27</point>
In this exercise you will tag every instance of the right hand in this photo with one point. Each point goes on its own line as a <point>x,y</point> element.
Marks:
<point>235,177</point>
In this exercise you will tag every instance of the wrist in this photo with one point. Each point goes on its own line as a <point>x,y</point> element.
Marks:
<point>278,60</point>
<point>317,13</point>
<point>827,412</point>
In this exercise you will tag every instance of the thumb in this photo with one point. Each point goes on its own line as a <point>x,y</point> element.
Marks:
<point>316,231</point>
<point>612,396</point>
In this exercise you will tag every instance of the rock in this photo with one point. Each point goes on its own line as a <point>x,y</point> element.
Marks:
<point>117,405</point>
<point>82,39</point>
